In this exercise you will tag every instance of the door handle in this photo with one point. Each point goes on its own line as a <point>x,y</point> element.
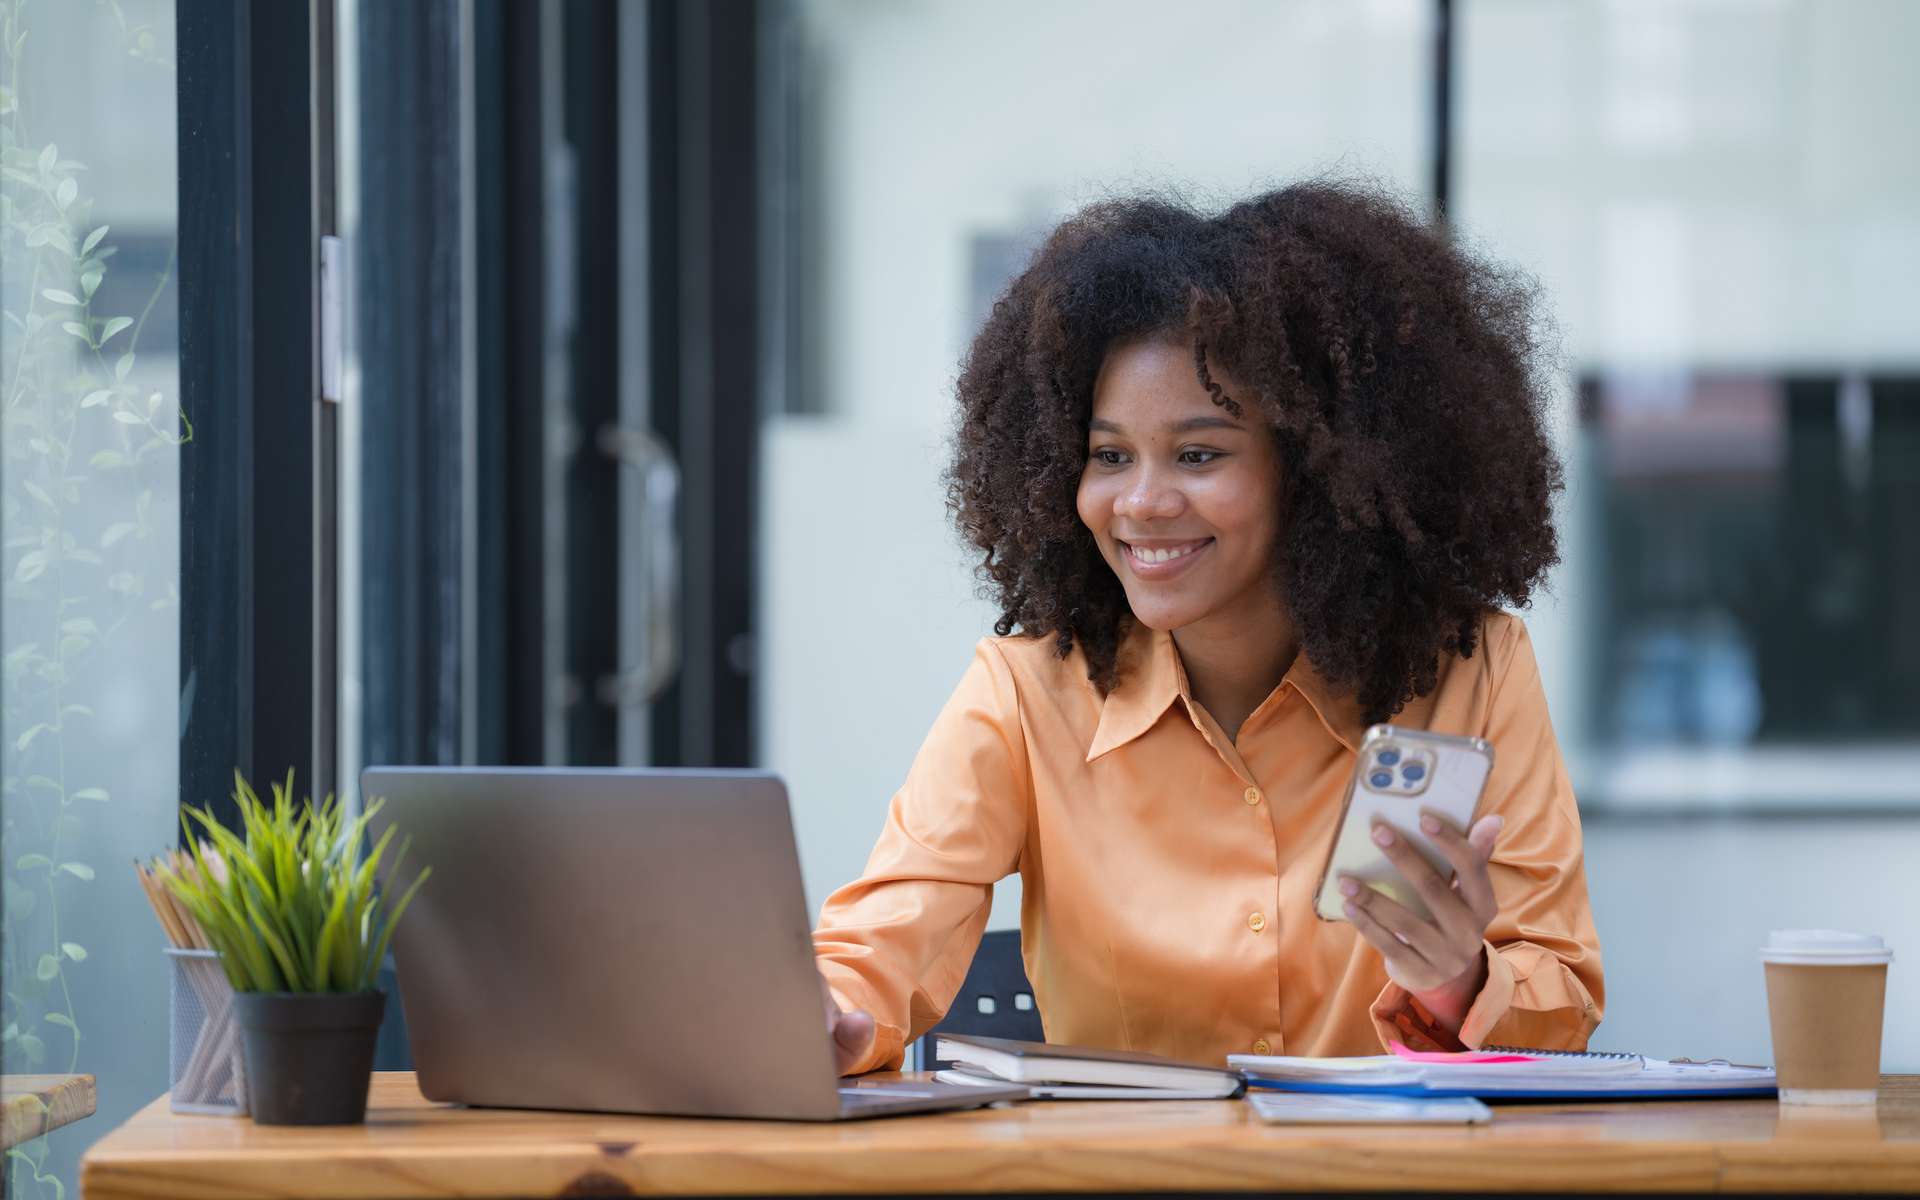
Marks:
<point>652,537</point>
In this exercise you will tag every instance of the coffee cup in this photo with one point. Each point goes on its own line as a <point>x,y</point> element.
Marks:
<point>1826,998</point>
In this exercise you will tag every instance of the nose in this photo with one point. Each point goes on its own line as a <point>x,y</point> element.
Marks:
<point>1150,495</point>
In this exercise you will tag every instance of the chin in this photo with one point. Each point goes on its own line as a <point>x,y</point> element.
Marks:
<point>1160,616</point>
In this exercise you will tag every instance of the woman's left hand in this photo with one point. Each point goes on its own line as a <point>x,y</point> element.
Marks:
<point>1442,961</point>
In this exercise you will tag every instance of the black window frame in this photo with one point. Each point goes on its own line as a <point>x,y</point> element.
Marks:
<point>255,564</point>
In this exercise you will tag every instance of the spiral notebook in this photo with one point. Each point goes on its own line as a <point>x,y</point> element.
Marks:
<point>1510,1073</point>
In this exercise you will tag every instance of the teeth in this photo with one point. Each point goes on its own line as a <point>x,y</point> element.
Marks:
<point>1160,556</point>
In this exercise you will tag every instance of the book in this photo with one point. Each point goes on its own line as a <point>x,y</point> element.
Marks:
<point>1040,1065</point>
<point>1079,1091</point>
<point>1503,1073</point>
<point>1296,1108</point>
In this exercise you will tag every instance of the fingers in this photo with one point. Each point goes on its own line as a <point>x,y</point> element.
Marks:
<point>1468,853</point>
<point>852,1037</point>
<point>852,1032</point>
<point>1402,930</point>
<point>1484,832</point>
<point>1450,909</point>
<point>1404,964</point>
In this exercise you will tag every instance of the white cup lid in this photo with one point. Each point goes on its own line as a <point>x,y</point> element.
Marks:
<point>1824,947</point>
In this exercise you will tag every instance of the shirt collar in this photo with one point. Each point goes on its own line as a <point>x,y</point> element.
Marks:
<point>1151,678</point>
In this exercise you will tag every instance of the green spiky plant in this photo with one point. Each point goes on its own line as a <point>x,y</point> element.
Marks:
<point>291,905</point>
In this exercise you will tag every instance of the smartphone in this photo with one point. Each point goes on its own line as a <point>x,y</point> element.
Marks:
<point>1401,773</point>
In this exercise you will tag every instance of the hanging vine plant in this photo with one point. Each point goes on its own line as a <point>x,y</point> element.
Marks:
<point>87,438</point>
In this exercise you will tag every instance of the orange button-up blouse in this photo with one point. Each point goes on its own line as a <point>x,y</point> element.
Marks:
<point>1147,842</point>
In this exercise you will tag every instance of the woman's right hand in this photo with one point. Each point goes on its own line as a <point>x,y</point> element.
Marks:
<point>852,1032</point>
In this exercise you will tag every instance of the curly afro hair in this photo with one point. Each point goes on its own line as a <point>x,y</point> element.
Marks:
<point>1404,381</point>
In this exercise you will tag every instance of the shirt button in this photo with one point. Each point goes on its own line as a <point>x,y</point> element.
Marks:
<point>1253,795</point>
<point>1261,1047</point>
<point>1256,922</point>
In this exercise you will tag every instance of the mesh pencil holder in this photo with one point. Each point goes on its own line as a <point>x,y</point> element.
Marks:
<point>207,1070</point>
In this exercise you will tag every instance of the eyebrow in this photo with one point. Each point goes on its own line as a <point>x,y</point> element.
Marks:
<point>1190,425</point>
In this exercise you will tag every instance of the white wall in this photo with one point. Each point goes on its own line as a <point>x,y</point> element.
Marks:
<point>1693,182</point>
<point>1683,905</point>
<point>937,122</point>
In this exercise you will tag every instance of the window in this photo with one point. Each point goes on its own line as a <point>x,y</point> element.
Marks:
<point>1717,200</point>
<point>92,435</point>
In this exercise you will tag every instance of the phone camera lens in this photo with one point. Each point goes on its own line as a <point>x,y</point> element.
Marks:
<point>1381,779</point>
<point>1413,772</point>
<point>1388,758</point>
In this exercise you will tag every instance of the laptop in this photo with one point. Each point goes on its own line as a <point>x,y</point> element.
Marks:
<point>631,941</point>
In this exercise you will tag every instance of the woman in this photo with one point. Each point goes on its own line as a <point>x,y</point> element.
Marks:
<point>1242,486</point>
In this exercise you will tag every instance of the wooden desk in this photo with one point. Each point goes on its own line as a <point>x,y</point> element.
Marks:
<point>411,1148</point>
<point>35,1105</point>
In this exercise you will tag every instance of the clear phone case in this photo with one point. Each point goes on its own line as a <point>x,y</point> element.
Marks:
<point>1401,773</point>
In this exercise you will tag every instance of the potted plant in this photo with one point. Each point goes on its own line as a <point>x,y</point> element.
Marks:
<point>290,904</point>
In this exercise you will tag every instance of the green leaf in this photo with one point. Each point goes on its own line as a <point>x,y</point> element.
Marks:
<point>63,1020</point>
<point>114,326</point>
<point>121,367</point>
<point>116,531</point>
<point>31,566</point>
<point>74,951</point>
<point>98,795</point>
<point>106,460</point>
<point>61,296</point>
<point>90,281</point>
<point>35,1048</point>
<point>127,418</point>
<point>29,862</point>
<point>78,870</point>
<point>49,155</point>
<point>48,967</point>
<point>12,1031</point>
<point>78,330</point>
<point>67,192</point>
<point>96,399</point>
<point>93,239</point>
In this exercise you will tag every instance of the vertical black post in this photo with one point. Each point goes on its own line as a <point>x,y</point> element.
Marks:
<point>248,268</point>
<point>409,272</point>
<point>592,73</point>
<point>1442,109</point>
<point>703,107</point>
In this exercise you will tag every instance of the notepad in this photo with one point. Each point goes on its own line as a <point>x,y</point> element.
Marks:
<point>1039,1065</point>
<point>1507,1074</point>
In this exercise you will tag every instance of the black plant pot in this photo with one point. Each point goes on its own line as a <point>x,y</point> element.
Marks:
<point>309,1056</point>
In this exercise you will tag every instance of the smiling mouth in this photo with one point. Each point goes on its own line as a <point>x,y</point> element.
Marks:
<point>1163,559</point>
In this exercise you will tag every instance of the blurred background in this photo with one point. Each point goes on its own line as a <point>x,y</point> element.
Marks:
<point>568,381</point>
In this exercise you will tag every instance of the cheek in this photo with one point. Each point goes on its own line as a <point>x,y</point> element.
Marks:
<point>1246,505</point>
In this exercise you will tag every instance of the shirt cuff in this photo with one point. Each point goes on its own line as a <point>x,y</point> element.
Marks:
<point>1400,1017</point>
<point>888,1050</point>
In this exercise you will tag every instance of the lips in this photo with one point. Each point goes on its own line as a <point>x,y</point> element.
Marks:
<point>1162,558</point>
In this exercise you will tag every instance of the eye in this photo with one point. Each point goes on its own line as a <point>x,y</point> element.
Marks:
<point>1198,458</point>
<point>1108,457</point>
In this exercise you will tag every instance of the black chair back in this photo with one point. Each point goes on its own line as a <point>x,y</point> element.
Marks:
<point>995,1001</point>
